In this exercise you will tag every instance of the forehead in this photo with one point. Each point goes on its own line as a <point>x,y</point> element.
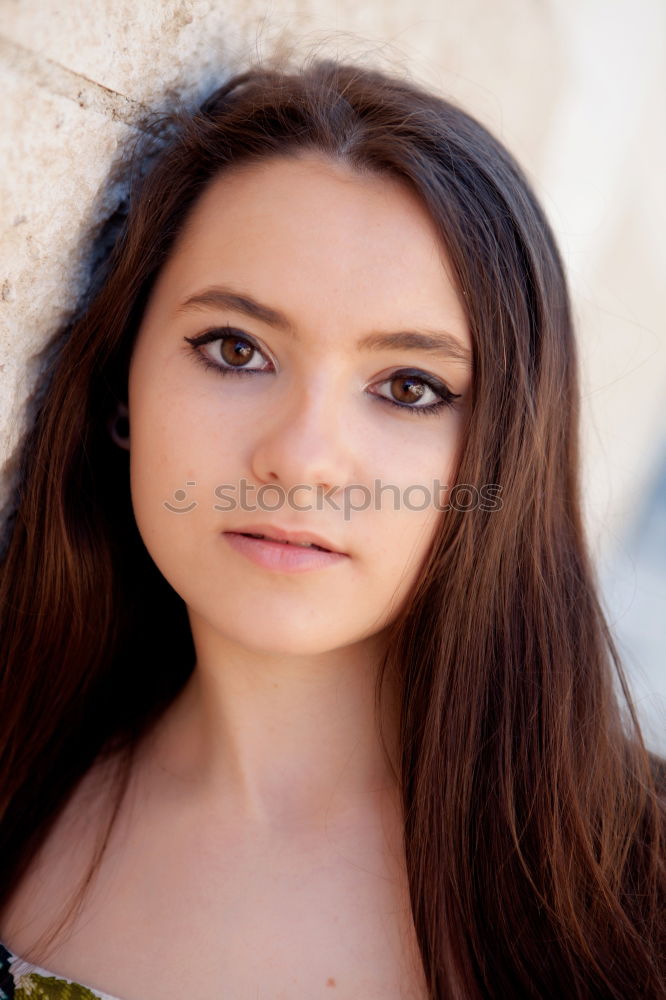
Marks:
<point>312,234</point>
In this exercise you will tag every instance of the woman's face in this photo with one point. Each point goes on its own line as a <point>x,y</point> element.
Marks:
<point>291,421</point>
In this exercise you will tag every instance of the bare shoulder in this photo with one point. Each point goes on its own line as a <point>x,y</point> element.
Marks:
<point>56,870</point>
<point>263,913</point>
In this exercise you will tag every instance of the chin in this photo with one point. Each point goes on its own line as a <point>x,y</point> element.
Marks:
<point>283,640</point>
<point>287,636</point>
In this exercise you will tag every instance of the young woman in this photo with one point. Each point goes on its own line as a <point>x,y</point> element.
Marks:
<point>238,766</point>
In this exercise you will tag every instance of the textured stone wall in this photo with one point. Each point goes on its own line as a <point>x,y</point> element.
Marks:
<point>574,89</point>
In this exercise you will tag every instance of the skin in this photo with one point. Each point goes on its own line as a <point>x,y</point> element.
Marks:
<point>278,716</point>
<point>263,829</point>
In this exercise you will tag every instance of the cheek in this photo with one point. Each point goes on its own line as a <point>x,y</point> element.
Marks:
<point>179,439</point>
<point>416,469</point>
<point>406,514</point>
<point>163,463</point>
<point>408,533</point>
<point>402,542</point>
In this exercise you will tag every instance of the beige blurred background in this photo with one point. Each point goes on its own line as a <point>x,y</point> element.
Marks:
<point>575,88</point>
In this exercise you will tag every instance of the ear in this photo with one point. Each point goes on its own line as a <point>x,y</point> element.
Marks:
<point>118,426</point>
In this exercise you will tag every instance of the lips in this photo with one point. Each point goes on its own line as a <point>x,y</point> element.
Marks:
<point>309,545</point>
<point>302,539</point>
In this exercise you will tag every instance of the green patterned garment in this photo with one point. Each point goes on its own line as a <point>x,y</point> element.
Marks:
<point>21,980</point>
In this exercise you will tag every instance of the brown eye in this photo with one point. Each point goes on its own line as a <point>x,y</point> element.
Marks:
<point>416,392</point>
<point>407,389</point>
<point>235,350</point>
<point>232,355</point>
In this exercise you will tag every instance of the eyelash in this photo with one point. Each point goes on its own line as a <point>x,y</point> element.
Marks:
<point>221,333</point>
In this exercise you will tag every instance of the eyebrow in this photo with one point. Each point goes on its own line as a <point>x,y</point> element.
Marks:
<point>435,342</point>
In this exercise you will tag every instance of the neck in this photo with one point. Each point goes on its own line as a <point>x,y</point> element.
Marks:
<point>280,740</point>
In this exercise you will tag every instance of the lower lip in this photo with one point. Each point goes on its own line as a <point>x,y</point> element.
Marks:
<point>280,556</point>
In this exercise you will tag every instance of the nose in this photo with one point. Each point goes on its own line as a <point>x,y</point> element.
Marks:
<point>306,441</point>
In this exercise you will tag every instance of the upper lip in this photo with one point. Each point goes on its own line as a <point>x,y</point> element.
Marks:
<point>280,535</point>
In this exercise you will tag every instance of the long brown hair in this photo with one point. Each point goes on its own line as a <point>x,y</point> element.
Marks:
<point>533,816</point>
